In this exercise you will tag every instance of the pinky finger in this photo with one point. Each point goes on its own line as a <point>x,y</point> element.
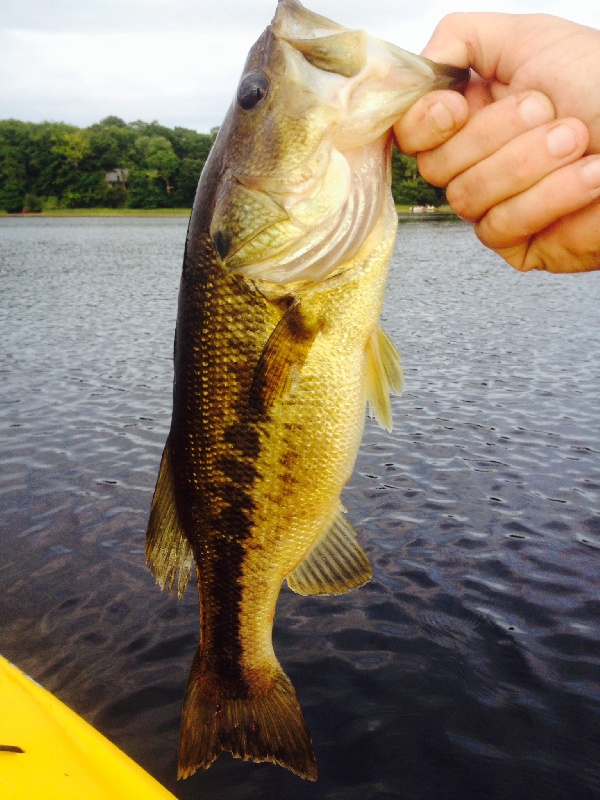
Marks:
<point>570,245</point>
<point>564,191</point>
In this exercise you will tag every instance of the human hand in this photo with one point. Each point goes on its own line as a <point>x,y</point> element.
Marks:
<point>520,152</point>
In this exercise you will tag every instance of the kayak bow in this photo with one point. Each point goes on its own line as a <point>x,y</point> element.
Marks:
<point>48,751</point>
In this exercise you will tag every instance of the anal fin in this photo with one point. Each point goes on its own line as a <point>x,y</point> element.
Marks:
<point>383,375</point>
<point>167,548</point>
<point>336,564</point>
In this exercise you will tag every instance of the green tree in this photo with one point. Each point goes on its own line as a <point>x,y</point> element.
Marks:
<point>31,203</point>
<point>186,181</point>
<point>66,165</point>
<point>162,160</point>
<point>150,179</point>
<point>13,182</point>
<point>12,196</point>
<point>115,122</point>
<point>69,147</point>
<point>110,145</point>
<point>44,164</point>
<point>408,187</point>
<point>192,148</point>
<point>72,146</point>
<point>14,147</point>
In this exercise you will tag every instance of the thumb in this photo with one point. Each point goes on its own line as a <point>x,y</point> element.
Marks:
<point>477,40</point>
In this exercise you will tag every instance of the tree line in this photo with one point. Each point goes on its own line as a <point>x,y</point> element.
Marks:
<point>115,164</point>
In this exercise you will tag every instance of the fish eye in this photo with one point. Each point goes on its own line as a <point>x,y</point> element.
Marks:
<point>252,90</point>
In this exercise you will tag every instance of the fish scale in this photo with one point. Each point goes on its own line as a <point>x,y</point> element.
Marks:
<point>278,349</point>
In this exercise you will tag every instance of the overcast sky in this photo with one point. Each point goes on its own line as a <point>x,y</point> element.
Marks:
<point>178,61</point>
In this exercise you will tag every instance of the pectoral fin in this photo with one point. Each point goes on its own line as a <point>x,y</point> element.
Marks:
<point>383,375</point>
<point>282,359</point>
<point>335,565</point>
<point>167,549</point>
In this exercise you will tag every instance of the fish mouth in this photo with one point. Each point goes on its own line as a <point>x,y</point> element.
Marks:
<point>449,76</point>
<point>333,48</point>
<point>317,191</point>
<point>243,214</point>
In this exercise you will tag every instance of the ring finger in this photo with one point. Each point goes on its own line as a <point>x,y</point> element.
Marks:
<point>516,167</point>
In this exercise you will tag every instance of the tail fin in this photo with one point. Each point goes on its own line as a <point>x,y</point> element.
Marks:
<point>268,725</point>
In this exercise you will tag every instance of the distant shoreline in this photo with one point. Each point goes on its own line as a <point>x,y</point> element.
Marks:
<point>404,212</point>
<point>104,212</point>
<point>411,216</point>
<point>425,212</point>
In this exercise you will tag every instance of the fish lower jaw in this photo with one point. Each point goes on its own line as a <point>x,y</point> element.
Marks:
<point>312,257</point>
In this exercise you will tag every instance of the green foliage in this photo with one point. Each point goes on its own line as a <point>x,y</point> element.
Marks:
<point>408,187</point>
<point>144,189</point>
<point>54,165</point>
<point>110,145</point>
<point>31,203</point>
<point>112,121</point>
<point>12,196</point>
<point>186,181</point>
<point>157,163</point>
<point>72,146</point>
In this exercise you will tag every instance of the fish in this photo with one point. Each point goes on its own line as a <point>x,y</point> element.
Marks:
<point>278,352</point>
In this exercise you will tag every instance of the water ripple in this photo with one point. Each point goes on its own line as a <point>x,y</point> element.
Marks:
<point>468,668</point>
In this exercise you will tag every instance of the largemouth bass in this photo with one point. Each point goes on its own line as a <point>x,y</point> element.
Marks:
<point>278,349</point>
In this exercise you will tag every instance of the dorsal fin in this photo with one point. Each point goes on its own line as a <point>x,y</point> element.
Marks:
<point>383,375</point>
<point>336,564</point>
<point>282,358</point>
<point>167,548</point>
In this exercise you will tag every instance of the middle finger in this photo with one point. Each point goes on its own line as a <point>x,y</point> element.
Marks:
<point>485,132</point>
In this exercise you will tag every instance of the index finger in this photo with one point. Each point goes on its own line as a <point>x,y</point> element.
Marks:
<point>431,121</point>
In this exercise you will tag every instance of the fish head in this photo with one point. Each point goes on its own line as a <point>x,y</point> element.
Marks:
<point>304,150</point>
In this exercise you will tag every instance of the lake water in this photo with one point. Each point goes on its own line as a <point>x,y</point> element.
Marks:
<point>468,669</point>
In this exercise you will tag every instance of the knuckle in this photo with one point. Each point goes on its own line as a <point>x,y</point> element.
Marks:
<point>522,166</point>
<point>430,168</point>
<point>460,194</point>
<point>525,259</point>
<point>498,231</point>
<point>449,23</point>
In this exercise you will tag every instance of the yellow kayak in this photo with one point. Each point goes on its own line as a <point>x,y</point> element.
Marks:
<point>48,751</point>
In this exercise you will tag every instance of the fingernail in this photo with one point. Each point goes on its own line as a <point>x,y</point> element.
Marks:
<point>535,111</point>
<point>442,116</point>
<point>561,141</point>
<point>590,172</point>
